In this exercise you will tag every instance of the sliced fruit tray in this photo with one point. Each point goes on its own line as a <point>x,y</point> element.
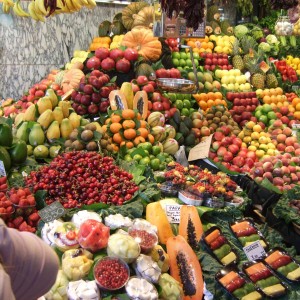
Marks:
<point>237,285</point>
<point>247,233</point>
<point>283,264</point>
<point>265,279</point>
<point>219,246</point>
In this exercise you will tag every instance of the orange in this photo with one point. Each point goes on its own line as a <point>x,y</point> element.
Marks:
<point>107,120</point>
<point>191,43</point>
<point>115,127</point>
<point>129,145</point>
<point>267,99</point>
<point>204,45</point>
<point>138,140</point>
<point>224,103</point>
<point>298,107</point>
<point>115,148</point>
<point>218,95</point>
<point>203,104</point>
<point>115,118</point>
<point>291,108</point>
<point>143,132</point>
<point>203,96</point>
<point>210,103</point>
<point>143,124</point>
<point>206,39</point>
<point>210,45</point>
<point>197,97</point>
<point>218,101</point>
<point>104,128</point>
<point>117,138</point>
<point>295,101</point>
<point>151,138</point>
<point>279,91</point>
<point>128,124</point>
<point>129,134</point>
<point>297,115</point>
<point>128,114</point>
<point>211,95</point>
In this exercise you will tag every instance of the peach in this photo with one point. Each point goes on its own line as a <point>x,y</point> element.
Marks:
<point>287,131</point>
<point>197,123</point>
<point>281,138</point>
<point>281,147</point>
<point>290,141</point>
<point>290,149</point>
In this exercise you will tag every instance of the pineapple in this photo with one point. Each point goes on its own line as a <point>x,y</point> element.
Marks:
<point>237,60</point>
<point>248,45</point>
<point>271,81</point>
<point>258,77</point>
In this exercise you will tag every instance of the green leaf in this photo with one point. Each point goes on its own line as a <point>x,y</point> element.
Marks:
<point>112,80</point>
<point>95,207</point>
<point>268,185</point>
<point>40,197</point>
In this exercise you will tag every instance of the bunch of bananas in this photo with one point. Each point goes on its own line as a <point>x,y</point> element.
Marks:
<point>40,9</point>
<point>245,7</point>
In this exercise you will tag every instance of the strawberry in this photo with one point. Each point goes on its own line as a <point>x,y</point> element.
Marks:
<point>17,221</point>
<point>3,180</point>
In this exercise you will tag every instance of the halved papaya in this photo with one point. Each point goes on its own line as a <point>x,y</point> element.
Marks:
<point>140,102</point>
<point>156,215</point>
<point>190,225</point>
<point>117,100</point>
<point>185,267</point>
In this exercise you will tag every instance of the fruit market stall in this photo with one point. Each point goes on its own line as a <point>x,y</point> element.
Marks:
<point>149,191</point>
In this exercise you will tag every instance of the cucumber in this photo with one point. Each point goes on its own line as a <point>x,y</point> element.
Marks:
<point>250,238</point>
<point>222,251</point>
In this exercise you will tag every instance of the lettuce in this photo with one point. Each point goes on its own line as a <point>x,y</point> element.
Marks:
<point>272,39</point>
<point>265,47</point>
<point>240,30</point>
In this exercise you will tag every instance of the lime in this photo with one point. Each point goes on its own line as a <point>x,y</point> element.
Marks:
<point>271,115</point>
<point>189,63</point>
<point>169,159</point>
<point>145,161</point>
<point>258,114</point>
<point>127,157</point>
<point>196,55</point>
<point>151,156</point>
<point>146,146</point>
<point>266,108</point>
<point>162,166</point>
<point>263,119</point>
<point>172,97</point>
<point>179,104</point>
<point>176,55</point>
<point>155,163</point>
<point>137,157</point>
<point>29,150</point>
<point>183,55</point>
<point>179,68</point>
<point>185,112</point>
<point>186,103</point>
<point>156,150</point>
<point>161,157</point>
<point>176,62</point>
<point>192,110</point>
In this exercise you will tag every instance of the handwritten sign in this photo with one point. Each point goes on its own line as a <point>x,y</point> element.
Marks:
<point>2,169</point>
<point>52,212</point>
<point>254,251</point>
<point>201,150</point>
<point>173,213</point>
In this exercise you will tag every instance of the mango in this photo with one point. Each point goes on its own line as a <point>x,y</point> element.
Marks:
<point>65,128</point>
<point>43,104</point>
<point>53,97</point>
<point>30,113</point>
<point>36,135</point>
<point>46,118</point>
<point>58,114</point>
<point>53,131</point>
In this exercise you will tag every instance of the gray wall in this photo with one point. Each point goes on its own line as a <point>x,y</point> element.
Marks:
<point>30,49</point>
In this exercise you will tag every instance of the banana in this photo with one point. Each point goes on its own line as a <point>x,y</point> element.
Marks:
<point>83,2</point>
<point>63,8</point>
<point>40,7</point>
<point>91,3</point>
<point>6,6</point>
<point>76,4</point>
<point>32,12</point>
<point>18,10</point>
<point>70,6</point>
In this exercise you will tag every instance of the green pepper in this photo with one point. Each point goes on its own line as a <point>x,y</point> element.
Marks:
<point>222,251</point>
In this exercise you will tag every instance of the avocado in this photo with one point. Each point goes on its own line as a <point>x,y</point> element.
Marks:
<point>188,122</point>
<point>183,129</point>
<point>190,140</point>
<point>179,138</point>
<point>176,117</point>
<point>174,124</point>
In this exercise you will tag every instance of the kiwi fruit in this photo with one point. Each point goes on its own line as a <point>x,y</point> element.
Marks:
<point>103,143</point>
<point>68,143</point>
<point>209,116</point>
<point>218,114</point>
<point>73,135</point>
<point>216,120</point>
<point>77,145</point>
<point>87,135</point>
<point>91,146</point>
<point>214,126</point>
<point>224,119</point>
<point>91,127</point>
<point>109,147</point>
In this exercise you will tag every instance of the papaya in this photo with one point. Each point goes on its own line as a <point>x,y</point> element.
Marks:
<point>156,215</point>
<point>74,119</point>
<point>58,114</point>
<point>126,89</point>
<point>36,135</point>
<point>53,132</point>
<point>65,106</point>
<point>140,102</point>
<point>185,267</point>
<point>117,100</point>
<point>30,113</point>
<point>159,255</point>
<point>46,118</point>
<point>5,158</point>
<point>53,97</point>
<point>43,104</point>
<point>6,136</point>
<point>65,128</point>
<point>190,225</point>
<point>18,152</point>
<point>23,132</point>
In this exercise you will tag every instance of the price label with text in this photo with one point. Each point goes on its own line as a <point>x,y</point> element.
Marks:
<point>173,213</point>
<point>201,150</point>
<point>52,212</point>
<point>254,251</point>
<point>2,169</point>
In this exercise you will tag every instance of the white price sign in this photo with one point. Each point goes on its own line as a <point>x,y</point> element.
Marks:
<point>173,213</point>
<point>254,251</point>
<point>2,169</point>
